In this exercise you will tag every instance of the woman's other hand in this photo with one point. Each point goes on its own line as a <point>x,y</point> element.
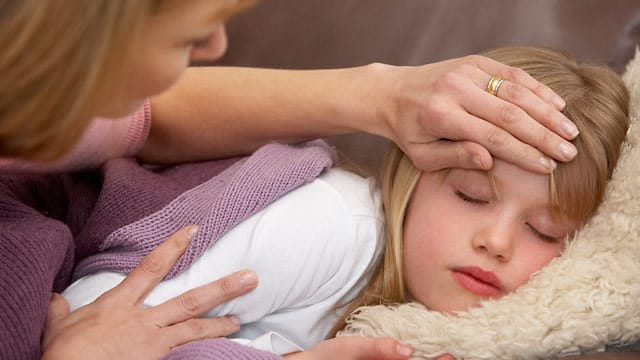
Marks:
<point>117,326</point>
<point>442,116</point>
<point>355,348</point>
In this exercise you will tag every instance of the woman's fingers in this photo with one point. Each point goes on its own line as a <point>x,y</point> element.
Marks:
<point>355,348</point>
<point>511,131</point>
<point>522,126</point>
<point>446,357</point>
<point>443,154</point>
<point>198,301</point>
<point>524,111</point>
<point>153,268</point>
<point>537,108</point>
<point>517,124</point>
<point>198,329</point>
<point>369,348</point>
<point>518,76</point>
<point>116,325</point>
<point>534,102</point>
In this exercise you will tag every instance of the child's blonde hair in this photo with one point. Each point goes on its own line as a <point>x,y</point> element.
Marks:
<point>597,102</point>
<point>61,60</point>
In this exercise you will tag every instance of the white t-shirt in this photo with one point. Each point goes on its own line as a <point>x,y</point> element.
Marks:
<point>313,250</point>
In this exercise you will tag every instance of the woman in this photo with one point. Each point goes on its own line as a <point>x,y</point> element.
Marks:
<point>66,64</point>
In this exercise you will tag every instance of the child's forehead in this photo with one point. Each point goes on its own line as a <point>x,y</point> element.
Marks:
<point>503,177</point>
<point>483,179</point>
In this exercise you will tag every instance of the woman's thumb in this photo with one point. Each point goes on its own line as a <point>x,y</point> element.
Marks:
<point>58,310</point>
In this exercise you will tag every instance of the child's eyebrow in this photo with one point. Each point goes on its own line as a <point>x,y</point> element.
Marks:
<point>473,175</point>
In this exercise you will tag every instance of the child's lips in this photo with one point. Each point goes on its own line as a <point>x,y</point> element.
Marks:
<point>478,281</point>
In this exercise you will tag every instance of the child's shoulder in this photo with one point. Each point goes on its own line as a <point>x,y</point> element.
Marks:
<point>362,194</point>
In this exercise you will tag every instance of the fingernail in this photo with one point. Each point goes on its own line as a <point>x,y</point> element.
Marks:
<point>191,233</point>
<point>404,350</point>
<point>234,320</point>
<point>248,278</point>
<point>547,164</point>
<point>558,102</point>
<point>568,150</point>
<point>570,129</point>
<point>477,160</point>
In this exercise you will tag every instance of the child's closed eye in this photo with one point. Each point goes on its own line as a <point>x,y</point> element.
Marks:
<point>470,199</point>
<point>541,235</point>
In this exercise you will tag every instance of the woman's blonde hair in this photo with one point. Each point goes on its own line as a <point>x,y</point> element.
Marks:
<point>60,61</point>
<point>597,102</point>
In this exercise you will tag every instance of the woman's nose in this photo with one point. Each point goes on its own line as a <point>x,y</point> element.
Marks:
<point>211,49</point>
<point>496,240</point>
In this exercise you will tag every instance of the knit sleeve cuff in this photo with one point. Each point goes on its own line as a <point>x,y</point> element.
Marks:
<point>219,349</point>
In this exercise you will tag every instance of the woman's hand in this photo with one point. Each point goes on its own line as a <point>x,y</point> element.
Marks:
<point>442,116</point>
<point>355,348</point>
<point>117,326</point>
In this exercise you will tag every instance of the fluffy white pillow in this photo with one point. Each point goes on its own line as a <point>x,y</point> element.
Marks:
<point>587,298</point>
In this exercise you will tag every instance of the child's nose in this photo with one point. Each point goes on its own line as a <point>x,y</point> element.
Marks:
<point>495,240</point>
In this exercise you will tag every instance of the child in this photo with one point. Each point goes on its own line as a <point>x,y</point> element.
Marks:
<point>507,217</point>
<point>454,237</point>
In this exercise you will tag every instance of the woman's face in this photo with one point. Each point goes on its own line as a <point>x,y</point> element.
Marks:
<point>170,39</point>
<point>471,235</point>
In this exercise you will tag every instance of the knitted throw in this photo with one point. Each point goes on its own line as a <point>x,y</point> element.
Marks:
<point>583,300</point>
<point>215,206</point>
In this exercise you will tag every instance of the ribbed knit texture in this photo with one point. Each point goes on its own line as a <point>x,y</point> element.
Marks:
<point>30,265</point>
<point>218,349</point>
<point>215,206</point>
<point>103,139</point>
<point>50,222</point>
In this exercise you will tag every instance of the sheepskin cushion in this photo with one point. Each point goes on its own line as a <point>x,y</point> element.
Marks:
<point>582,301</point>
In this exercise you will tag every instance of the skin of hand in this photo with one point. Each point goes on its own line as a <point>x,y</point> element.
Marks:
<point>439,114</point>
<point>117,326</point>
<point>358,348</point>
<point>442,116</point>
<point>355,348</point>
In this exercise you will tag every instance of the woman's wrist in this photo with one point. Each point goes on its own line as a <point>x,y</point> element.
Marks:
<point>371,105</point>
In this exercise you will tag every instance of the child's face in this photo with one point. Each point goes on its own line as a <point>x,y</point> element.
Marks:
<point>169,41</point>
<point>466,240</point>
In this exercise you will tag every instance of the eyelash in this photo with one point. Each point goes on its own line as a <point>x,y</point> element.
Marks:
<point>467,198</point>
<point>543,236</point>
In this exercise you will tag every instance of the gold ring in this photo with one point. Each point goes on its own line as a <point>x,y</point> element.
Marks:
<point>494,85</point>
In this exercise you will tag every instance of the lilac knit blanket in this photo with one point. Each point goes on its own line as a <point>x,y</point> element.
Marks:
<point>215,206</point>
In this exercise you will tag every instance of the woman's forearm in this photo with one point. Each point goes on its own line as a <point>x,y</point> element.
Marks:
<point>216,112</point>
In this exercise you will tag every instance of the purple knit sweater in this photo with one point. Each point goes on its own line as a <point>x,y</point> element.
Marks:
<point>51,222</point>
